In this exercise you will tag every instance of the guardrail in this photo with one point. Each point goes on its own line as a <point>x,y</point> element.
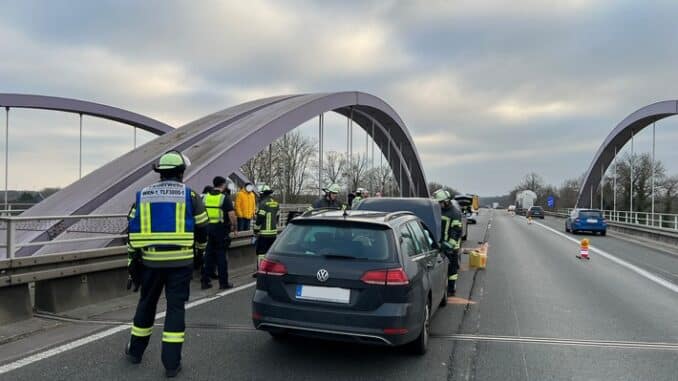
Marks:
<point>52,266</point>
<point>666,236</point>
<point>33,268</point>
<point>74,277</point>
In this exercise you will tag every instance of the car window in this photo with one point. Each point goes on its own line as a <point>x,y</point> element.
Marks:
<point>407,245</point>
<point>590,214</point>
<point>356,240</point>
<point>420,237</point>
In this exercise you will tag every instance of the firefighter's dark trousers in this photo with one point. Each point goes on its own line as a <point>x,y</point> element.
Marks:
<point>452,270</point>
<point>176,282</point>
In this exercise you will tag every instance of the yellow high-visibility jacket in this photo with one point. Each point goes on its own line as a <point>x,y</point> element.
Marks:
<point>245,204</point>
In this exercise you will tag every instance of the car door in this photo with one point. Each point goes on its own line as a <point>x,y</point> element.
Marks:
<point>434,263</point>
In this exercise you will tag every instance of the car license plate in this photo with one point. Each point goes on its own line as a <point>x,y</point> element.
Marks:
<point>324,294</point>
<point>592,221</point>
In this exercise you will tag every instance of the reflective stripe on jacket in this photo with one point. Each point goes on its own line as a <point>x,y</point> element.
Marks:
<point>162,224</point>
<point>267,217</point>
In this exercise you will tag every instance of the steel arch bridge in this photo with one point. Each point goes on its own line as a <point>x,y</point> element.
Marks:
<point>217,143</point>
<point>619,136</point>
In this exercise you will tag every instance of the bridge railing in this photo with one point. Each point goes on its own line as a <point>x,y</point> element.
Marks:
<point>664,221</point>
<point>87,229</point>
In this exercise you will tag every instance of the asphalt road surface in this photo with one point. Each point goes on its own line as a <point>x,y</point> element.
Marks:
<point>536,313</point>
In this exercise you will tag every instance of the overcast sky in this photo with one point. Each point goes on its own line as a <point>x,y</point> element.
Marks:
<point>490,90</point>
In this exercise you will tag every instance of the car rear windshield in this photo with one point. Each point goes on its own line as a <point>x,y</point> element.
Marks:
<point>336,239</point>
<point>536,209</point>
<point>590,214</point>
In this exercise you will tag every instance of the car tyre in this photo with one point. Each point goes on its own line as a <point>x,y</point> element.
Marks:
<point>443,301</point>
<point>420,344</point>
<point>603,233</point>
<point>567,228</point>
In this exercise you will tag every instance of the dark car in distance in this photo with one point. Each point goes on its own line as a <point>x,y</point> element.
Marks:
<point>536,212</point>
<point>364,276</point>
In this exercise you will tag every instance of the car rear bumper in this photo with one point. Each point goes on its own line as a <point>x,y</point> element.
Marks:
<point>332,324</point>
<point>589,228</point>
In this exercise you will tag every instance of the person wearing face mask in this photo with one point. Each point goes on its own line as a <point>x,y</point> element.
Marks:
<point>245,206</point>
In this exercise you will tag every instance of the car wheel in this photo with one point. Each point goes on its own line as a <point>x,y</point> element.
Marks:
<point>603,233</point>
<point>420,345</point>
<point>567,229</point>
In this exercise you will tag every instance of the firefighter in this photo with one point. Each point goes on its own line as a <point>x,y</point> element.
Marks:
<point>222,221</point>
<point>361,194</point>
<point>329,200</point>
<point>166,221</point>
<point>266,223</point>
<point>451,236</point>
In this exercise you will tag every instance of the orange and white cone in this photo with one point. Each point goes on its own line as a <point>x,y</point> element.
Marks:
<point>584,250</point>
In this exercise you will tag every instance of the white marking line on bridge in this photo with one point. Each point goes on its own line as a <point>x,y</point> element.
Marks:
<point>103,334</point>
<point>642,272</point>
<point>557,341</point>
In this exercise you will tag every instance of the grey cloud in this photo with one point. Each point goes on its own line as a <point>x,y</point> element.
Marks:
<point>484,77</point>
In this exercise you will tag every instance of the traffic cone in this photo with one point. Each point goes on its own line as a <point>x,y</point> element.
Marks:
<point>584,250</point>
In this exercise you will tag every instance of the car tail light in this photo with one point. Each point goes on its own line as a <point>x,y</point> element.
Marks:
<point>395,331</point>
<point>269,267</point>
<point>386,277</point>
<point>256,316</point>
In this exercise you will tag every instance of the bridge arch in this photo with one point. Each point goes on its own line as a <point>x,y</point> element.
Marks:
<point>233,146</point>
<point>619,136</point>
<point>77,106</point>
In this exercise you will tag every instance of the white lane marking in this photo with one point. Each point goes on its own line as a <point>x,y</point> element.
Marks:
<point>100,335</point>
<point>557,341</point>
<point>642,272</point>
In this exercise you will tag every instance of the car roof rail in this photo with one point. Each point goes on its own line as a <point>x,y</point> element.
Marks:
<point>315,211</point>
<point>393,215</point>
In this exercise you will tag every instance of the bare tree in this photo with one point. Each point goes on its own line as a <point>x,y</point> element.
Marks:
<point>640,181</point>
<point>356,172</point>
<point>293,153</point>
<point>670,191</point>
<point>383,179</point>
<point>333,167</point>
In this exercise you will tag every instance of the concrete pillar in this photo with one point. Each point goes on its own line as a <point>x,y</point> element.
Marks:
<point>15,303</point>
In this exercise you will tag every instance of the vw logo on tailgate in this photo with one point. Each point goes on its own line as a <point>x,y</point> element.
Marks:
<point>322,275</point>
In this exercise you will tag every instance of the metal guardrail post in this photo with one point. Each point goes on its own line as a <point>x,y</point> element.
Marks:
<point>675,222</point>
<point>10,238</point>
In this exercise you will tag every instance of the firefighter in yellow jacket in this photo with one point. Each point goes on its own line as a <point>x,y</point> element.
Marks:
<point>266,223</point>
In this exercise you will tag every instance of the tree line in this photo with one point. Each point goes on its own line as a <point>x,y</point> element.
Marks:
<point>633,172</point>
<point>290,166</point>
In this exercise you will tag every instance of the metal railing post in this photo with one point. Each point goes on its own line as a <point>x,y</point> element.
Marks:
<point>10,238</point>
<point>675,222</point>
